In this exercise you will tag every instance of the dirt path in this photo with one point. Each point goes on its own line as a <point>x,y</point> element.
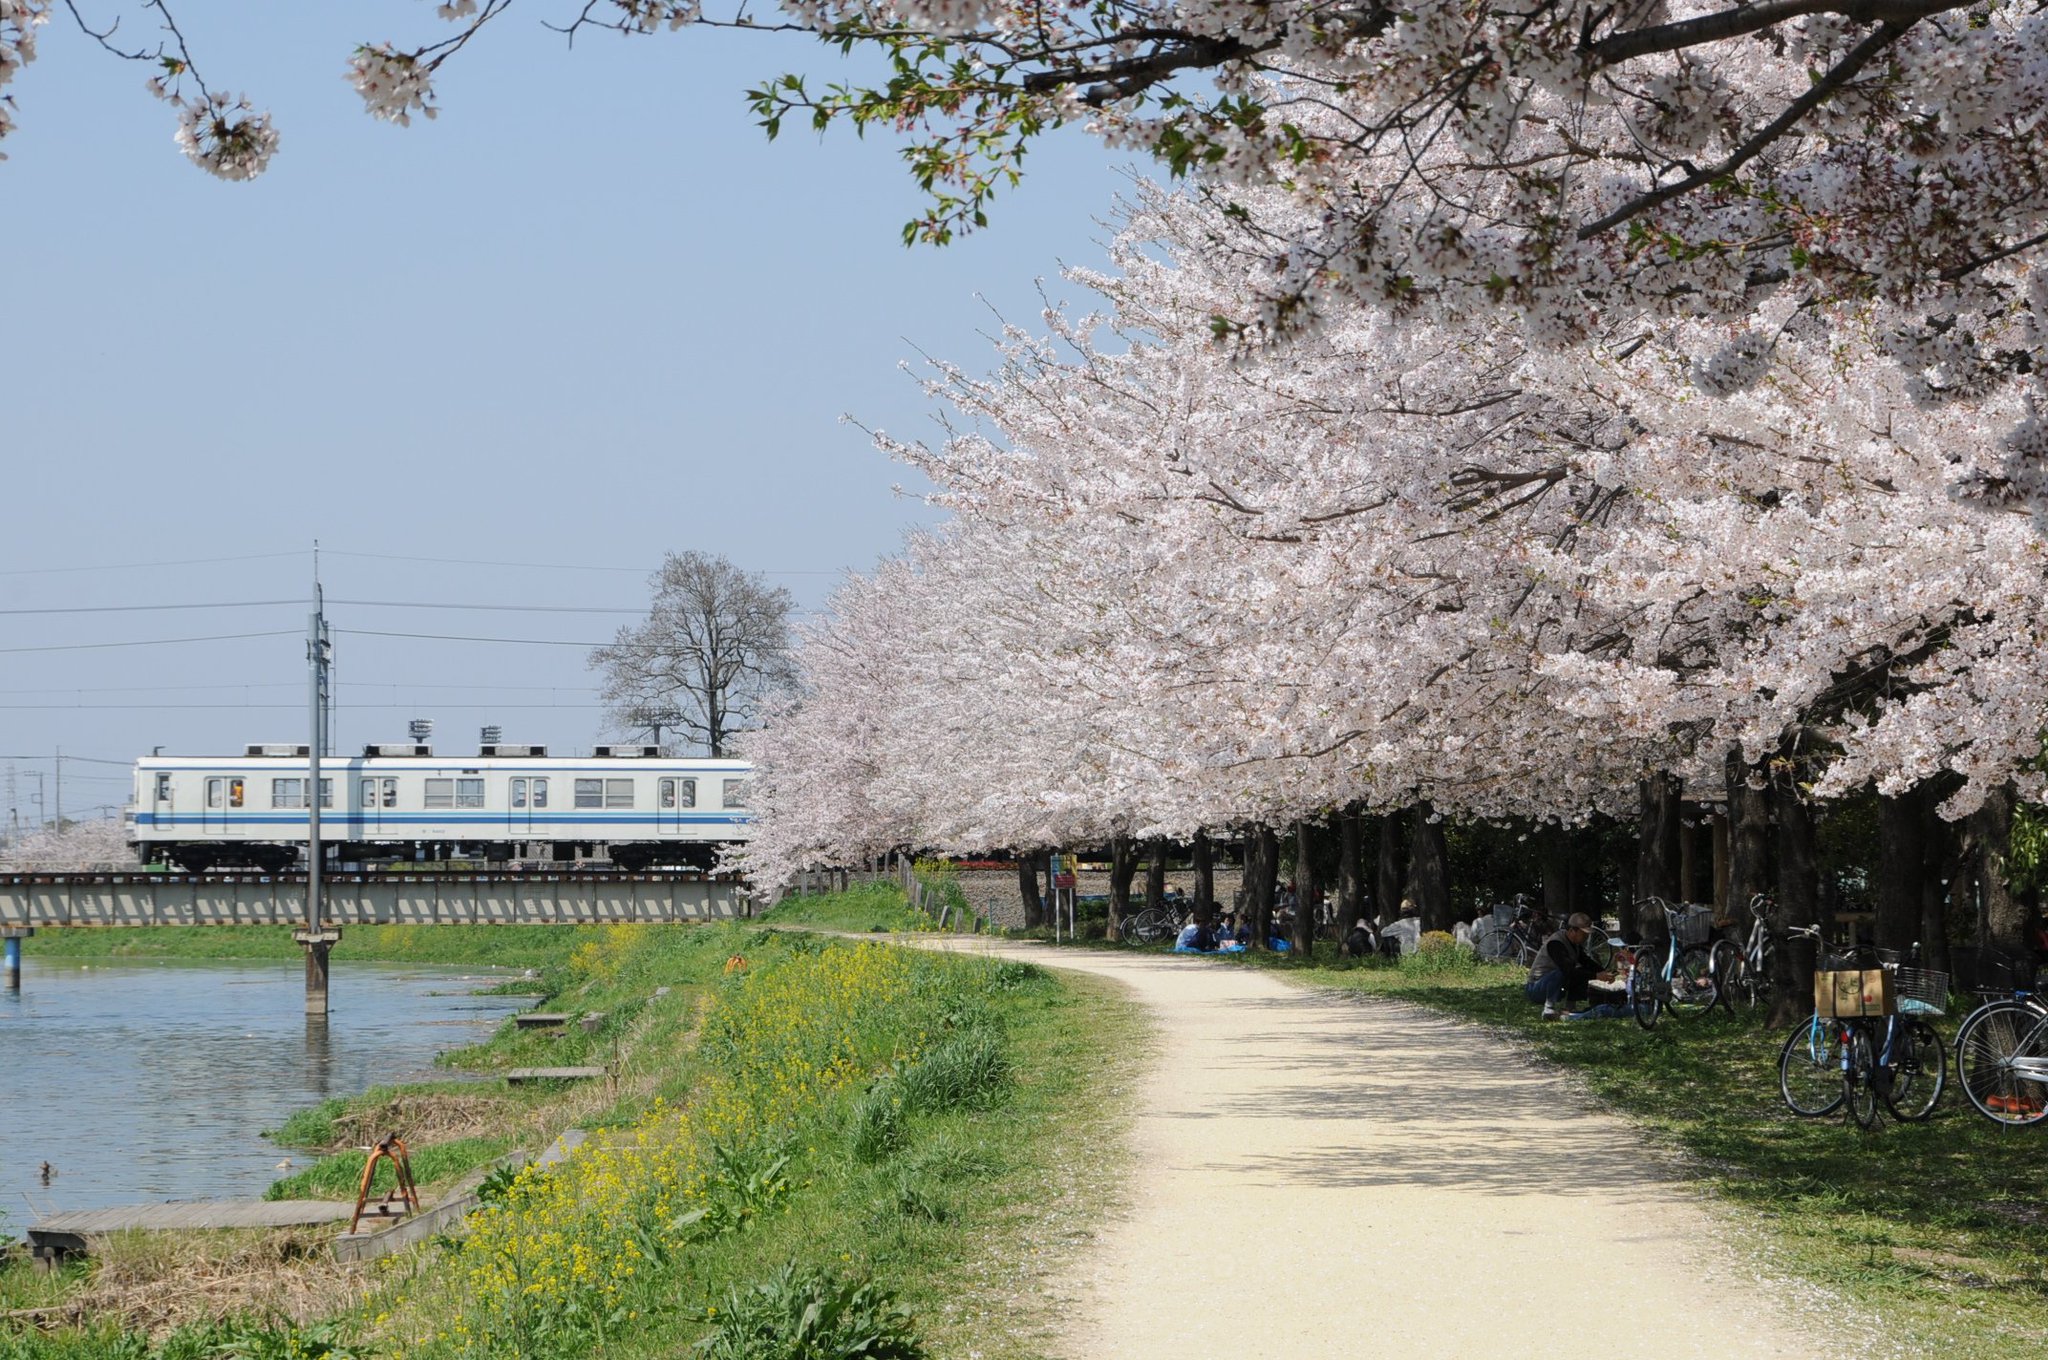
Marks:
<point>1325,1175</point>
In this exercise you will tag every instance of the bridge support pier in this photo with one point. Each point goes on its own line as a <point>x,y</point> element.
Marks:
<point>10,945</point>
<point>316,943</point>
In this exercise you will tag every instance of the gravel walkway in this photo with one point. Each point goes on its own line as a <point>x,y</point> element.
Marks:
<point>1324,1175</point>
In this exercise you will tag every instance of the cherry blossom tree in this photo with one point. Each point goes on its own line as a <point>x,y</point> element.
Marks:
<point>1398,563</point>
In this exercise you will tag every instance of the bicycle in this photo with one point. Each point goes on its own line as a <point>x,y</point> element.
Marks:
<point>2002,1057</point>
<point>1152,924</point>
<point>1684,981</point>
<point>1742,972</point>
<point>1897,1061</point>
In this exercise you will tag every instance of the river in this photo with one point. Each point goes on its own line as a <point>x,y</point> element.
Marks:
<point>143,1081</point>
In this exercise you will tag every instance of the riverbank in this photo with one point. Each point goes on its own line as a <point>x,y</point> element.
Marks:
<point>807,1114</point>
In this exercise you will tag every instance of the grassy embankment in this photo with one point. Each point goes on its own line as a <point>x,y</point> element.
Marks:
<point>837,1123</point>
<point>1938,1230</point>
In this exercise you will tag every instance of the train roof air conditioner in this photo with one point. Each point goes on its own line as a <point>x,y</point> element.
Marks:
<point>501,749</point>
<point>627,752</point>
<point>397,748</point>
<point>276,748</point>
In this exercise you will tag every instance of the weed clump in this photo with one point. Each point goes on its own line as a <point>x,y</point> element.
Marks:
<point>803,1313</point>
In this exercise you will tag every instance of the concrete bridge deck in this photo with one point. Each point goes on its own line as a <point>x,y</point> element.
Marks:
<point>51,901</point>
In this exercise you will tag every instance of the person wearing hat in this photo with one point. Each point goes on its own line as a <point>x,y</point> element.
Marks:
<point>1559,976</point>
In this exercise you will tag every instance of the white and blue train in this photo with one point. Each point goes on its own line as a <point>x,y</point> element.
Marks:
<point>629,804</point>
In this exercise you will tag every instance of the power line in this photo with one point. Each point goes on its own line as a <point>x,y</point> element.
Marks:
<point>151,642</point>
<point>89,760</point>
<point>147,608</point>
<point>455,637</point>
<point>554,566</point>
<point>156,708</point>
<point>496,608</point>
<point>295,684</point>
<point>137,566</point>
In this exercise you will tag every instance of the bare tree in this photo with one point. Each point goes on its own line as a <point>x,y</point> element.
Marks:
<point>713,646</point>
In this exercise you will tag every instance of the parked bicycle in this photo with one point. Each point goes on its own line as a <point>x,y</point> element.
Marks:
<point>1511,932</point>
<point>1742,972</point>
<point>1153,924</point>
<point>2002,1053</point>
<point>1896,1061</point>
<point>1675,973</point>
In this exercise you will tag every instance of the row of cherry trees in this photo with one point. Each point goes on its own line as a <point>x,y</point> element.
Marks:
<point>1399,564</point>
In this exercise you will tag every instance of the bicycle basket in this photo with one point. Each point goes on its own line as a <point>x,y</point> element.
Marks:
<point>1920,991</point>
<point>1691,923</point>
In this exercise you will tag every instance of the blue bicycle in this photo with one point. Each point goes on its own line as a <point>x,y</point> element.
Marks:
<point>1675,973</point>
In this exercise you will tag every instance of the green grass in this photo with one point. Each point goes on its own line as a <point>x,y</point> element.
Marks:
<point>1937,1228</point>
<point>434,1166</point>
<point>869,907</point>
<point>497,946</point>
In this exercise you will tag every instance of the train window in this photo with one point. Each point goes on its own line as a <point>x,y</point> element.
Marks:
<point>287,793</point>
<point>440,793</point>
<point>674,796</point>
<point>519,793</point>
<point>163,788</point>
<point>469,793</point>
<point>735,793</point>
<point>234,793</point>
<point>618,793</point>
<point>689,792</point>
<point>668,793</point>
<point>213,793</point>
<point>327,793</point>
<point>589,793</point>
<point>540,793</point>
<point>369,793</point>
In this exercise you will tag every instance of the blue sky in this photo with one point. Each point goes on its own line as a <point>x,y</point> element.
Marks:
<point>588,315</point>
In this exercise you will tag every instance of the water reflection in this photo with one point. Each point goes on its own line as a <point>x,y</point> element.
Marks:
<point>146,1081</point>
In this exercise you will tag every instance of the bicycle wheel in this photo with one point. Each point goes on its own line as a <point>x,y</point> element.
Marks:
<point>1692,987</point>
<point>1148,926</point>
<point>1919,1071</point>
<point>2002,1059</point>
<point>1727,970</point>
<point>1810,1068</point>
<point>1859,1075</point>
<point>1645,992</point>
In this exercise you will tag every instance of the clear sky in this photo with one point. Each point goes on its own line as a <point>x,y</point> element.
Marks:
<point>588,315</point>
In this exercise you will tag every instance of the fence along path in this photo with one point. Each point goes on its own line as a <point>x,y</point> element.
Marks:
<point>1329,1175</point>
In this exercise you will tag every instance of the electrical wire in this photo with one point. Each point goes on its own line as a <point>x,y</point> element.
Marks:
<point>495,608</point>
<point>147,608</point>
<point>459,637</point>
<point>139,566</point>
<point>151,642</point>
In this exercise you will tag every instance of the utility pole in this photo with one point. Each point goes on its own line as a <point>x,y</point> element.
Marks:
<point>60,790</point>
<point>316,938</point>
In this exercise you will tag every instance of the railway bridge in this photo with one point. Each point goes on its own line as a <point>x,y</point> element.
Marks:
<point>111,900</point>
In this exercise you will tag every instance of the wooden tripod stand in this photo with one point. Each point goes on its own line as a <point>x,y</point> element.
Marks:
<point>391,1149</point>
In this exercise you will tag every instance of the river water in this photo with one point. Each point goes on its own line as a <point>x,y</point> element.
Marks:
<point>143,1081</point>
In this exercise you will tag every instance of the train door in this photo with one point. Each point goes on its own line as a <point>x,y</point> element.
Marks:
<point>527,804</point>
<point>380,795</point>
<point>672,797</point>
<point>223,792</point>
<point>161,805</point>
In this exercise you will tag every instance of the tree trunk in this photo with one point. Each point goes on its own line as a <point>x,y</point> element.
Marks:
<point>1387,880</point>
<point>1027,888</point>
<point>1306,890</point>
<point>1350,870</point>
<point>1947,848</point>
<point>1205,879</point>
<point>1798,901</point>
<point>1155,872</point>
<point>1656,848</point>
<point>2005,917</point>
<point>1557,871</point>
<point>1262,878</point>
<point>1749,837</point>
<point>1123,867</point>
<point>1901,864</point>
<point>1429,882</point>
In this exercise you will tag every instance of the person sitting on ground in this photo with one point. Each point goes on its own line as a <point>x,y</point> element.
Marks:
<point>1359,942</point>
<point>1195,938</point>
<point>1563,969</point>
